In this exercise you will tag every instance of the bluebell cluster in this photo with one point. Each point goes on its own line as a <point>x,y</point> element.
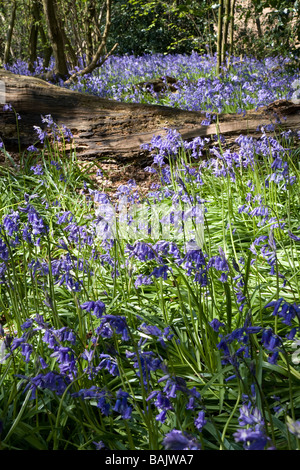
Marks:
<point>220,302</point>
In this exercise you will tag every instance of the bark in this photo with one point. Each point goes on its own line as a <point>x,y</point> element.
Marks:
<point>33,38</point>
<point>47,49</point>
<point>107,128</point>
<point>231,32</point>
<point>89,14</point>
<point>220,36</point>
<point>225,30</point>
<point>56,38</point>
<point>7,47</point>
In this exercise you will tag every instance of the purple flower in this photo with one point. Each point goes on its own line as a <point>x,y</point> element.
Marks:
<point>11,223</point>
<point>285,310</point>
<point>200,421</point>
<point>32,148</point>
<point>7,107</point>
<point>294,427</point>
<point>252,439</point>
<point>161,271</point>
<point>97,307</point>
<point>37,170</point>
<point>50,381</point>
<point>41,134</point>
<point>293,237</point>
<point>115,322</point>
<point>177,440</point>
<point>26,350</point>
<point>99,445</point>
<point>121,405</point>
<point>216,324</point>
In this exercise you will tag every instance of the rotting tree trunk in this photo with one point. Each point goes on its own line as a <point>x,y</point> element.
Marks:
<point>107,128</point>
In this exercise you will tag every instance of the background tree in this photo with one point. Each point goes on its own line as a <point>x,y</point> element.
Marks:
<point>10,28</point>
<point>80,34</point>
<point>56,38</point>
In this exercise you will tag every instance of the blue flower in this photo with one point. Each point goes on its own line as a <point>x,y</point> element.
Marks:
<point>11,223</point>
<point>97,307</point>
<point>200,421</point>
<point>216,324</point>
<point>294,427</point>
<point>121,405</point>
<point>37,170</point>
<point>177,440</point>
<point>116,322</point>
<point>293,237</point>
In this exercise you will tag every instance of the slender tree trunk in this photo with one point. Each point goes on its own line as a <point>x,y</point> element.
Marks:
<point>32,46</point>
<point>220,36</point>
<point>232,10</point>
<point>33,38</point>
<point>7,47</point>
<point>70,53</point>
<point>56,38</point>
<point>225,30</point>
<point>47,49</point>
<point>90,13</point>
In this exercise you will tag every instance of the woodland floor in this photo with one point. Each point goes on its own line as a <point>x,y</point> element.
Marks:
<point>114,174</point>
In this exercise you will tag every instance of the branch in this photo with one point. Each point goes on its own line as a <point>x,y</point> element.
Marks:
<point>94,62</point>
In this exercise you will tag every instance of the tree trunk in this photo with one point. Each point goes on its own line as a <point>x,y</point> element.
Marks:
<point>33,38</point>
<point>220,36</point>
<point>56,38</point>
<point>9,32</point>
<point>108,128</point>
<point>231,33</point>
<point>47,49</point>
<point>225,31</point>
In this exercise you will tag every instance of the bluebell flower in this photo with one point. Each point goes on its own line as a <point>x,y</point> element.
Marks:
<point>26,350</point>
<point>294,426</point>
<point>288,312</point>
<point>200,421</point>
<point>37,170</point>
<point>11,223</point>
<point>42,135</point>
<point>66,361</point>
<point>7,107</point>
<point>116,322</point>
<point>121,405</point>
<point>96,307</point>
<point>108,363</point>
<point>216,324</point>
<point>161,271</point>
<point>177,440</point>
<point>142,280</point>
<point>293,237</point>
<point>252,439</point>
<point>99,445</point>
<point>50,381</point>
<point>4,253</point>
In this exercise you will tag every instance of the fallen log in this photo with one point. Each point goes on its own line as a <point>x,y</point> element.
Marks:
<point>108,128</point>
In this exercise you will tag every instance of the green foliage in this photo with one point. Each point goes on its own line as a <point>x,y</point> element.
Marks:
<point>158,26</point>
